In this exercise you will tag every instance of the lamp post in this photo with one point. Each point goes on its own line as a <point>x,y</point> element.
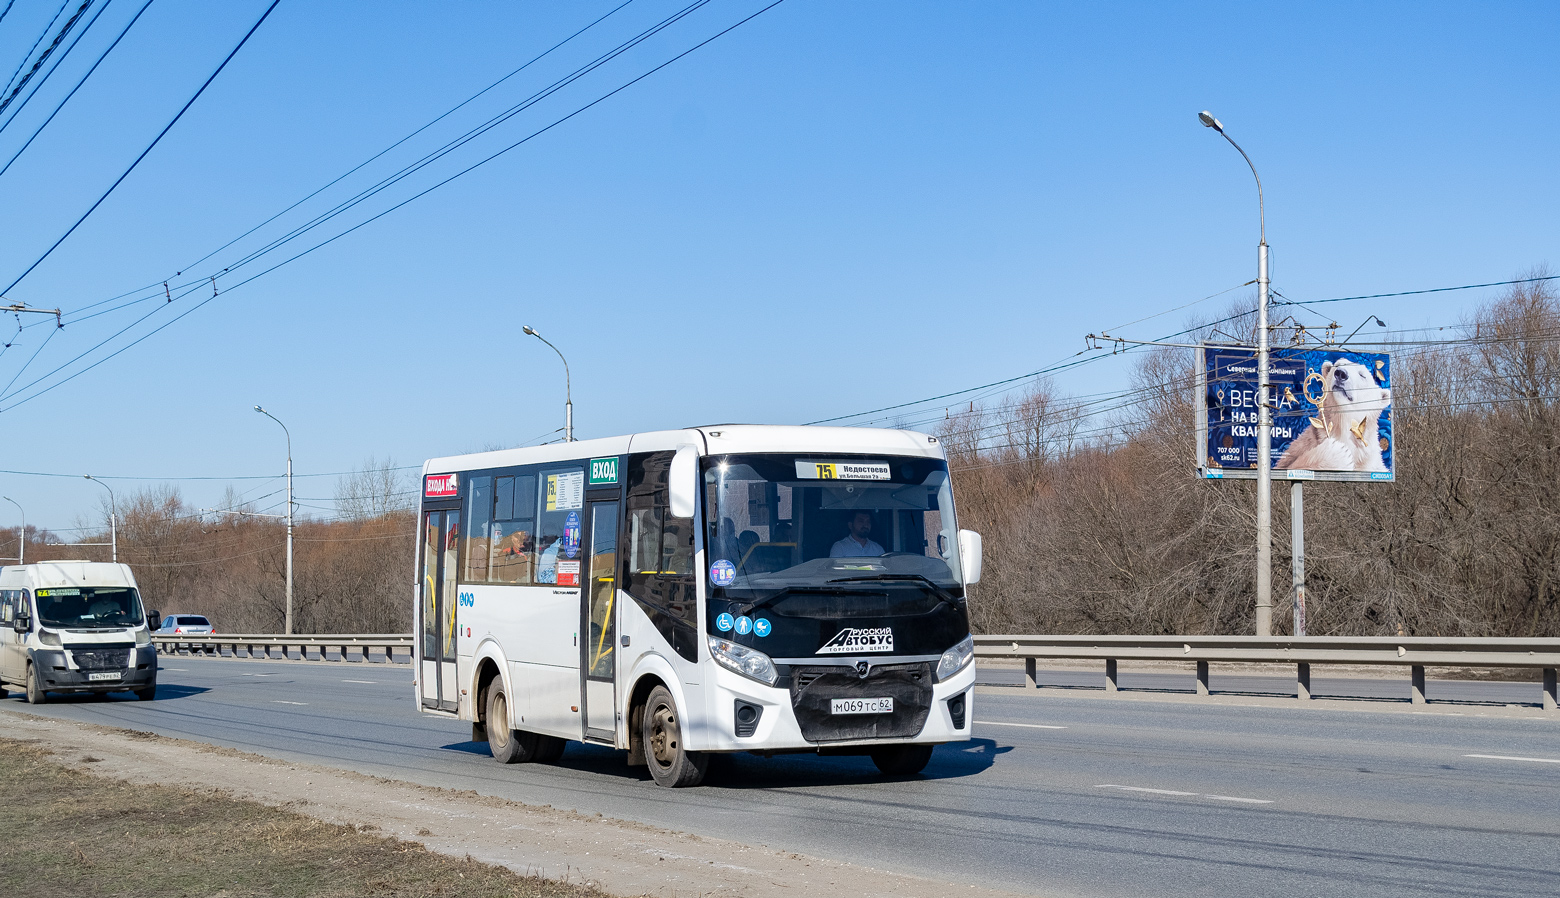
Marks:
<point>21,551</point>
<point>1264,409</point>
<point>113,517</point>
<point>568,396</point>
<point>288,624</point>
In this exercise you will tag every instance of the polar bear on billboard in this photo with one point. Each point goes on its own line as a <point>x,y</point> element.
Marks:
<point>1344,435</point>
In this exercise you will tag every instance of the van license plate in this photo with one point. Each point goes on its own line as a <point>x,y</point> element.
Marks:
<point>94,677</point>
<point>861,706</point>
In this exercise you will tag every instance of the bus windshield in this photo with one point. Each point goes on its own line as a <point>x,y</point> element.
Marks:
<point>89,607</point>
<point>782,521</point>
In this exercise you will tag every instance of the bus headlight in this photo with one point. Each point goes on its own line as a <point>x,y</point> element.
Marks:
<point>48,637</point>
<point>745,661</point>
<point>143,636</point>
<point>955,658</point>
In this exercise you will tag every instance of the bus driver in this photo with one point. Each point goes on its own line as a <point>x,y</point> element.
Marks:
<point>857,544</point>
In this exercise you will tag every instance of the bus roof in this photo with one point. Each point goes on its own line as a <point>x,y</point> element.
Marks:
<point>717,439</point>
<point>60,574</point>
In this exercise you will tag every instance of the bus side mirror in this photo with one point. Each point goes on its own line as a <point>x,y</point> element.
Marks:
<point>153,620</point>
<point>969,556</point>
<point>22,623</point>
<point>682,482</point>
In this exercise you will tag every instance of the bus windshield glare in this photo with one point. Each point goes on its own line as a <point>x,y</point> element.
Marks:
<point>781,521</point>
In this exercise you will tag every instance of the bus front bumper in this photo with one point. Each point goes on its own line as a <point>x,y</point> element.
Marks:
<point>948,719</point>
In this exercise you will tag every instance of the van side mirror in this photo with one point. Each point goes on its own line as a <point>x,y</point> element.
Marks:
<point>969,556</point>
<point>22,623</point>
<point>153,620</point>
<point>682,482</point>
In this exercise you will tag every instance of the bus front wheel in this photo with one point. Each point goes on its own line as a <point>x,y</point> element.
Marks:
<point>671,763</point>
<point>902,760</point>
<point>35,693</point>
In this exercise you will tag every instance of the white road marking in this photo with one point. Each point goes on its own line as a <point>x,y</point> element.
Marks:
<point>1003,723</point>
<point>1185,794</point>
<point>1141,789</point>
<point>179,669</point>
<point>1511,758</point>
<point>366,682</point>
<point>277,701</point>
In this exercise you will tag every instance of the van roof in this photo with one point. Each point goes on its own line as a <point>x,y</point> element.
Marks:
<point>50,574</point>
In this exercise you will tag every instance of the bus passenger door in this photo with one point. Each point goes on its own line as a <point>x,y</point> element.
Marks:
<point>599,661</point>
<point>436,676</point>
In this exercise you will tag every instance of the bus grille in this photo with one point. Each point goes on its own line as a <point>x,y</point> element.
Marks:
<point>812,688</point>
<point>101,659</point>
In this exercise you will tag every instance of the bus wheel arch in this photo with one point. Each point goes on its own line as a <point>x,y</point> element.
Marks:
<point>636,712</point>
<point>487,672</point>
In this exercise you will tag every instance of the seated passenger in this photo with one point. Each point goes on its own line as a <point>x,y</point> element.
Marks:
<point>746,542</point>
<point>857,544</point>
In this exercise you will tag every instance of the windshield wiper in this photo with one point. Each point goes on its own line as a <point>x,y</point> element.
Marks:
<point>940,591</point>
<point>789,591</point>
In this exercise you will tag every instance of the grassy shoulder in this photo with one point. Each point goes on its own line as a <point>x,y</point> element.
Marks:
<point>66,832</point>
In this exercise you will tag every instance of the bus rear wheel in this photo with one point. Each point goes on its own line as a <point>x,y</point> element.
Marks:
<point>671,763</point>
<point>516,746</point>
<point>902,760</point>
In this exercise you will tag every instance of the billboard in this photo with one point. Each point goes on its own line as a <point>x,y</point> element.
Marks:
<point>1332,415</point>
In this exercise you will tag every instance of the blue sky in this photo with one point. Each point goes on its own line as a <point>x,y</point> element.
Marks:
<point>833,208</point>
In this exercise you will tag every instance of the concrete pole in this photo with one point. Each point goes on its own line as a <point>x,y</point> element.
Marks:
<point>113,518</point>
<point>288,618</point>
<point>1297,552</point>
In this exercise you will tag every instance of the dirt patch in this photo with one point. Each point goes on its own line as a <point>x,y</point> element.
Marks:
<point>68,832</point>
<point>591,852</point>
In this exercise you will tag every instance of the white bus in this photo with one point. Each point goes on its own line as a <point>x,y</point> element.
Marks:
<point>717,589</point>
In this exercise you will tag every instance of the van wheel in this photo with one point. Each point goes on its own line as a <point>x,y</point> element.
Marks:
<point>35,693</point>
<point>3,693</point>
<point>671,763</point>
<point>147,694</point>
<point>902,760</point>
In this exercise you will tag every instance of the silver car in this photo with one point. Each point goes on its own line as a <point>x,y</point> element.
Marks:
<point>185,625</point>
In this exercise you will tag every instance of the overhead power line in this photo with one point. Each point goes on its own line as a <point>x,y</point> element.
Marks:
<point>30,50</point>
<point>49,51</point>
<point>338,236</point>
<point>61,105</point>
<point>155,141</point>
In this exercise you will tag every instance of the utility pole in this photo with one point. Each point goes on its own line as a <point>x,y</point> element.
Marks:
<point>21,552</point>
<point>568,390</point>
<point>1264,572</point>
<point>289,615</point>
<point>113,517</point>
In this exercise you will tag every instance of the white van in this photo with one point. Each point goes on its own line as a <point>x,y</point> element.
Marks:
<point>75,626</point>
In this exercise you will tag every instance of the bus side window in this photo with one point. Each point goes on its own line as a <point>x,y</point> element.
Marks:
<point>660,554</point>
<point>479,515</point>
<point>5,606</point>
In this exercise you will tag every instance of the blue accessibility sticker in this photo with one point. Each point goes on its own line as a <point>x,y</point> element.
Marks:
<point>723,572</point>
<point>761,627</point>
<point>723,622</point>
<point>744,625</point>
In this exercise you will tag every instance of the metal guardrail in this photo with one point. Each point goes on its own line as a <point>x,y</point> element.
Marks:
<point>347,647</point>
<point>1413,653</point>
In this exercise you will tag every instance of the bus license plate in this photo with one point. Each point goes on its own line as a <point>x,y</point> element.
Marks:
<point>94,677</point>
<point>861,706</point>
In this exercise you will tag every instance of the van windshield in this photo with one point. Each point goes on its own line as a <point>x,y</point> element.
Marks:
<point>89,607</point>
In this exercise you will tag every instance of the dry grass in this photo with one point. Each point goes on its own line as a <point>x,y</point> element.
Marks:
<point>67,832</point>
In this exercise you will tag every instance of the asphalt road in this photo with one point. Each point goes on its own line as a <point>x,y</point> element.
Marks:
<point>1065,793</point>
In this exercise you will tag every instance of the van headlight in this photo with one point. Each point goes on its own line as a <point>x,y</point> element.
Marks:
<point>48,637</point>
<point>955,658</point>
<point>143,636</point>
<point>745,661</point>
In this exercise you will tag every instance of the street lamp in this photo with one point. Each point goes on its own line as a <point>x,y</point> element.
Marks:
<point>568,396</point>
<point>289,617</point>
<point>1264,409</point>
<point>113,516</point>
<point>21,552</point>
